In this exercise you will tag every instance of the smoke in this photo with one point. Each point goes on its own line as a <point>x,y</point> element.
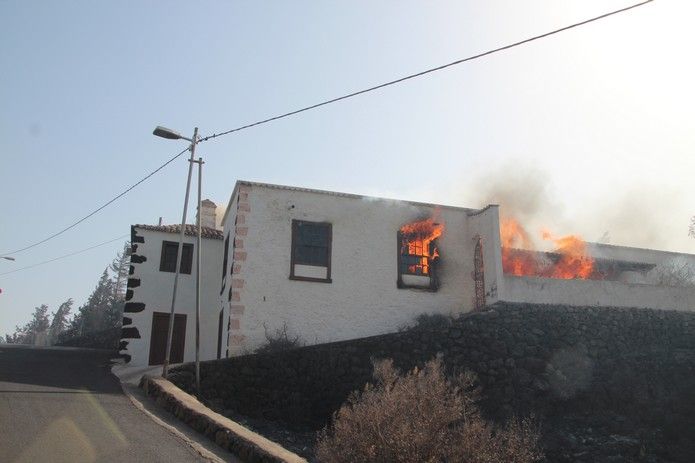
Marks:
<point>644,214</point>
<point>521,191</point>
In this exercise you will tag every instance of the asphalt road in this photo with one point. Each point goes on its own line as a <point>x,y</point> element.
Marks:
<point>65,406</point>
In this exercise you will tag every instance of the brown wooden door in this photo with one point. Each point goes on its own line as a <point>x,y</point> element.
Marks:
<point>158,339</point>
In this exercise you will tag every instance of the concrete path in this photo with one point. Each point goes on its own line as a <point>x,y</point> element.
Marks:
<point>63,405</point>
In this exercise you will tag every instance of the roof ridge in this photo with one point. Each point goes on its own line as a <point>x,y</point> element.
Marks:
<point>190,230</point>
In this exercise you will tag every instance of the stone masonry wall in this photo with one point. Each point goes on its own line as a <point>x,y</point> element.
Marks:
<point>527,357</point>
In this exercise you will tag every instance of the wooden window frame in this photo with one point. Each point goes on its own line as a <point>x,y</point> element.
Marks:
<point>295,224</point>
<point>432,264</point>
<point>183,257</point>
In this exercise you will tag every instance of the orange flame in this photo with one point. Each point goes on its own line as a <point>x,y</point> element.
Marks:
<point>519,257</point>
<point>417,239</point>
<point>574,261</point>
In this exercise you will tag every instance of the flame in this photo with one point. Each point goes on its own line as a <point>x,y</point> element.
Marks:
<point>514,240</point>
<point>569,259</point>
<point>417,241</point>
<point>574,260</point>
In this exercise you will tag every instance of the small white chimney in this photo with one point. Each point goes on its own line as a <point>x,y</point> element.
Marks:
<point>208,217</point>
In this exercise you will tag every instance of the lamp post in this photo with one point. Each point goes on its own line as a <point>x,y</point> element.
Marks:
<point>7,257</point>
<point>197,276</point>
<point>172,135</point>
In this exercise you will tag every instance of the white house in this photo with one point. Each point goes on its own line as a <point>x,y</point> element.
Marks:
<point>332,266</point>
<point>150,285</point>
<point>335,266</point>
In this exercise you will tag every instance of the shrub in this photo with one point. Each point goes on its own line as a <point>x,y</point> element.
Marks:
<point>432,321</point>
<point>279,341</point>
<point>675,272</point>
<point>422,417</point>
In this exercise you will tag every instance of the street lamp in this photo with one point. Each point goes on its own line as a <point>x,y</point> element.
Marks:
<point>168,133</point>
<point>7,257</point>
<point>173,135</point>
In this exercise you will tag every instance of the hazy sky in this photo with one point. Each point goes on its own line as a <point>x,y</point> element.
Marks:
<point>598,122</point>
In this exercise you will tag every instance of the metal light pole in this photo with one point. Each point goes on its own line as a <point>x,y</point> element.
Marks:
<point>7,257</point>
<point>172,135</point>
<point>197,278</point>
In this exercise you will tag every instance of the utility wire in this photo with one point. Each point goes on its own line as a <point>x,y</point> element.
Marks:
<point>428,71</point>
<point>74,224</point>
<point>334,100</point>
<point>66,255</point>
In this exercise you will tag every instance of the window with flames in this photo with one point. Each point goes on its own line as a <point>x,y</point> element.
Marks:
<point>418,254</point>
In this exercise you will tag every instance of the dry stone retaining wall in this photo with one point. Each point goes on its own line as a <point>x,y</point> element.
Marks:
<point>527,358</point>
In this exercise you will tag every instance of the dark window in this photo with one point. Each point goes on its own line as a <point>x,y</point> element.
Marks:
<point>226,252</point>
<point>311,245</point>
<point>224,263</point>
<point>169,254</point>
<point>219,334</point>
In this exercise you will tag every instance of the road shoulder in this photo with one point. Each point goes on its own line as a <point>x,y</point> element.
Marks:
<point>205,447</point>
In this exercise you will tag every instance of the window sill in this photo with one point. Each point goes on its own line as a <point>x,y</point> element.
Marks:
<point>315,280</point>
<point>174,271</point>
<point>430,288</point>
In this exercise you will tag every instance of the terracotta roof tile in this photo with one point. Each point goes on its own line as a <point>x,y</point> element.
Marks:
<point>191,230</point>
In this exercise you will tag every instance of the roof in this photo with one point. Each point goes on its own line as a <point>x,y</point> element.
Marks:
<point>332,193</point>
<point>191,230</point>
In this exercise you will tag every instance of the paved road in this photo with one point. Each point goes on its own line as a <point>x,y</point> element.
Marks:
<point>65,406</point>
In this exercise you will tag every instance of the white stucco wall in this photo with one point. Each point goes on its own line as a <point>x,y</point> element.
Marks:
<point>596,293</point>
<point>155,292</point>
<point>363,298</point>
<point>486,224</point>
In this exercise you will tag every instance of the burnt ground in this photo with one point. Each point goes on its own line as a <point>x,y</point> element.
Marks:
<point>299,442</point>
<point>572,438</point>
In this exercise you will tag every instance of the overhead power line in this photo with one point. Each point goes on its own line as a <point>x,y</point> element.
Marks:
<point>107,203</point>
<point>335,100</point>
<point>425,72</point>
<point>66,255</point>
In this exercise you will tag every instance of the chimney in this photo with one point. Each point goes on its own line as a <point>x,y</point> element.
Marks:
<point>208,217</point>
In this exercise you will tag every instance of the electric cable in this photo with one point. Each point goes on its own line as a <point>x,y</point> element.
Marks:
<point>107,203</point>
<point>425,72</point>
<point>66,255</point>
<point>335,100</point>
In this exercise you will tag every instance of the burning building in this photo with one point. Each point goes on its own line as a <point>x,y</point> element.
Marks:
<point>329,266</point>
<point>336,266</point>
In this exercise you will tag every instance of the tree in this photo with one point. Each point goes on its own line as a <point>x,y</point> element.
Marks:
<point>120,268</point>
<point>60,320</point>
<point>93,314</point>
<point>29,333</point>
<point>102,310</point>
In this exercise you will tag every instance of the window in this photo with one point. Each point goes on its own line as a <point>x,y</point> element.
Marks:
<point>311,251</point>
<point>417,261</point>
<point>169,254</point>
<point>224,263</point>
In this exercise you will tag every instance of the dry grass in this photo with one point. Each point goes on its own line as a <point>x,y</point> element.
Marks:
<point>280,341</point>
<point>422,417</point>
